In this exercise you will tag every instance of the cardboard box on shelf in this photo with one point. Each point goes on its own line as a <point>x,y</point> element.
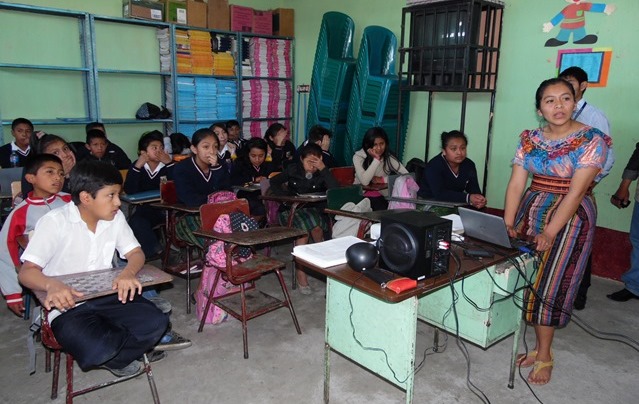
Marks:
<point>175,12</point>
<point>144,9</point>
<point>241,18</point>
<point>218,15</point>
<point>284,22</point>
<point>263,22</point>
<point>196,13</point>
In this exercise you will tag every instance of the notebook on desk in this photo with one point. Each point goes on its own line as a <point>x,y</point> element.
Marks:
<point>489,228</point>
<point>142,196</point>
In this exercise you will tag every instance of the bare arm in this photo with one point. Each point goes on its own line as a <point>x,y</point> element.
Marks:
<point>59,295</point>
<point>515,188</point>
<point>127,283</point>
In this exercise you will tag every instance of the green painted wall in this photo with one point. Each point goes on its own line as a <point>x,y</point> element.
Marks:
<point>524,63</point>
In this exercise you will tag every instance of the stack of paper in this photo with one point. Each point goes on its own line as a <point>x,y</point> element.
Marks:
<point>205,98</point>
<point>327,253</point>
<point>226,99</point>
<point>165,49</point>
<point>201,52</point>
<point>186,98</point>
<point>183,52</point>
<point>223,64</point>
<point>270,57</point>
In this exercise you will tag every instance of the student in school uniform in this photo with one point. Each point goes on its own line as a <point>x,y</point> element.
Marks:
<point>47,143</point>
<point>144,175</point>
<point>226,149</point>
<point>281,150</point>
<point>321,137</point>
<point>96,144</point>
<point>309,174</point>
<point>235,135</point>
<point>113,151</point>
<point>21,130</point>
<point>112,331</point>
<point>197,177</point>
<point>45,173</point>
<point>252,169</point>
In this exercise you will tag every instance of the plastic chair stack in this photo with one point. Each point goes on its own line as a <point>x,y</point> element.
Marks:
<point>375,93</point>
<point>332,78</point>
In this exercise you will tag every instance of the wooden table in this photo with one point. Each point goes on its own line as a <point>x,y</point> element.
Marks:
<point>253,237</point>
<point>386,320</point>
<point>100,283</point>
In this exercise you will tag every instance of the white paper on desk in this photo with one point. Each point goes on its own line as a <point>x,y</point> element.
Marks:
<point>458,227</point>
<point>327,253</point>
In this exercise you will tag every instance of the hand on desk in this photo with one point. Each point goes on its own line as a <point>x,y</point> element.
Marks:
<point>477,201</point>
<point>127,283</point>
<point>60,296</point>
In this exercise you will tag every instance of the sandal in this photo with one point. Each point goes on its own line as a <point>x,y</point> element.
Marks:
<point>539,365</point>
<point>521,358</point>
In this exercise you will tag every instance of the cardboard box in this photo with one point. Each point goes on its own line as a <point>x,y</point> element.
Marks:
<point>144,9</point>
<point>263,22</point>
<point>241,18</point>
<point>175,12</point>
<point>284,22</point>
<point>219,15</point>
<point>196,13</point>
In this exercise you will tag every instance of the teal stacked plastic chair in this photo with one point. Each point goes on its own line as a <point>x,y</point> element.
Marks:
<point>332,78</point>
<point>375,92</point>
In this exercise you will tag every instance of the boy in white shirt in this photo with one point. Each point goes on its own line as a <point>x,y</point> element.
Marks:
<point>111,331</point>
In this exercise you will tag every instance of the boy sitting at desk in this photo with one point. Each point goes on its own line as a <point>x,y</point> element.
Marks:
<point>144,175</point>
<point>111,331</point>
<point>45,173</point>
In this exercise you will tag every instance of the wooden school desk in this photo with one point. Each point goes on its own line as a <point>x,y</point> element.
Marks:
<point>387,320</point>
<point>296,202</point>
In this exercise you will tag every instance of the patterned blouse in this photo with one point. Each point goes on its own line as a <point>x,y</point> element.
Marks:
<point>588,147</point>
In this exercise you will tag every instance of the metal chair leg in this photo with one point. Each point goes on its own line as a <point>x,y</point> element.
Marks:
<point>56,374</point>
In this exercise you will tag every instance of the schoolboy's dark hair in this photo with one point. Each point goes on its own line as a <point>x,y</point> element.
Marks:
<point>200,134</point>
<point>33,164</point>
<point>94,125</point>
<point>317,133</point>
<point>19,121</point>
<point>179,142</point>
<point>576,72</point>
<point>311,149</point>
<point>547,83</point>
<point>453,134</point>
<point>256,143</point>
<point>231,123</point>
<point>272,131</point>
<point>149,137</point>
<point>95,134</point>
<point>91,176</point>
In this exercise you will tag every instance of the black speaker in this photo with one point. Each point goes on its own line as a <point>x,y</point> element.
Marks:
<point>415,244</point>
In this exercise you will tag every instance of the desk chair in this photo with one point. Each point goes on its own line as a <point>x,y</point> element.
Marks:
<point>51,344</point>
<point>241,273</point>
<point>345,176</point>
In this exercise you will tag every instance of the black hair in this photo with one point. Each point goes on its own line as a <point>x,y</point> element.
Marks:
<point>19,121</point>
<point>453,134</point>
<point>551,82</point>
<point>148,137</point>
<point>33,164</point>
<point>317,133</point>
<point>369,141</point>
<point>231,123</point>
<point>574,71</point>
<point>272,131</point>
<point>39,144</point>
<point>253,143</point>
<point>91,176</point>
<point>218,125</point>
<point>179,142</point>
<point>95,134</point>
<point>200,134</point>
<point>311,149</point>
<point>94,125</point>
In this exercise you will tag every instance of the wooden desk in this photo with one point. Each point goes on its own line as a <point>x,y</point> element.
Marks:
<point>253,237</point>
<point>386,320</point>
<point>296,202</point>
<point>99,283</point>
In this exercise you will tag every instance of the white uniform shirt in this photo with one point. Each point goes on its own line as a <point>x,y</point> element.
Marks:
<point>63,244</point>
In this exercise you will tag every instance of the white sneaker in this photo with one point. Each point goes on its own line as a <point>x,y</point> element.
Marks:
<point>305,290</point>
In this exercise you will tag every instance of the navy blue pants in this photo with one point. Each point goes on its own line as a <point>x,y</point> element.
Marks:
<point>104,331</point>
<point>142,222</point>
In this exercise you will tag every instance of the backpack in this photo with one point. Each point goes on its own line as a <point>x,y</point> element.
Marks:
<point>404,187</point>
<point>221,196</point>
<point>151,111</point>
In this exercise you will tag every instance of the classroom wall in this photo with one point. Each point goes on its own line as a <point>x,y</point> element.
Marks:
<point>524,63</point>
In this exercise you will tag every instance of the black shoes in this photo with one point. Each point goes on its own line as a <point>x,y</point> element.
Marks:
<point>622,296</point>
<point>580,303</point>
<point>131,369</point>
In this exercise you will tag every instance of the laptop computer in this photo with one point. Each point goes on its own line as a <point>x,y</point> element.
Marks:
<point>489,228</point>
<point>7,176</point>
